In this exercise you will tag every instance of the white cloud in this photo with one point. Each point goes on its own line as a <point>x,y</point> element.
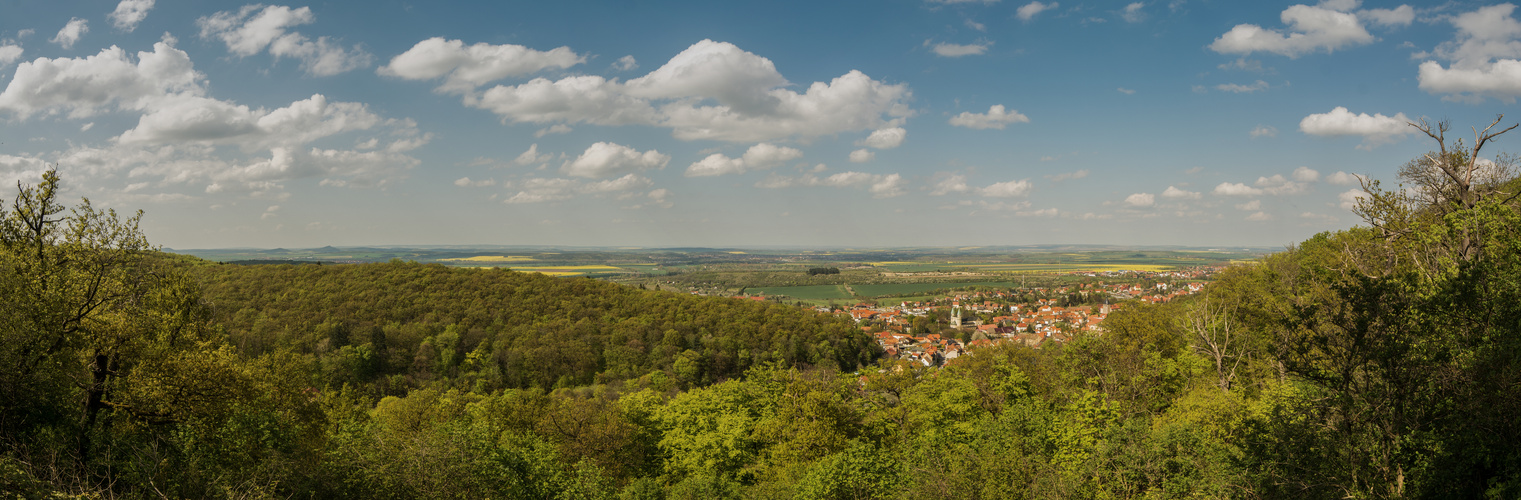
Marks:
<point>1044,212</point>
<point>1178,194</point>
<point>946,49</point>
<point>86,86</point>
<point>589,99</point>
<point>1250,206</point>
<point>886,138</point>
<point>190,119</point>
<point>1126,91</point>
<point>758,157</point>
<point>1141,200</point>
<point>627,182</point>
<point>765,155</point>
<point>1348,200</point>
<point>1375,129</point>
<point>1068,175</point>
<point>1264,131</point>
<point>129,13</point>
<point>605,159</point>
<point>464,68</point>
<point>9,53</point>
<point>1306,174</point>
<point>996,117</point>
<point>71,33</point>
<point>1236,189</point>
<point>532,156</point>
<point>1259,216</point>
<point>880,186</point>
<point>950,184</point>
<point>862,156</point>
<point>1279,185</point>
<point>975,25</point>
<point>712,90</point>
<point>1485,56</point>
<point>716,164</point>
<point>1242,89</point>
<point>628,63</point>
<point>255,28</point>
<point>1030,10</point>
<point>1398,16</point>
<point>1008,189</point>
<point>1343,179</point>
<point>660,197</point>
<point>558,128</point>
<point>466,182</point>
<point>1310,29</point>
<point>735,78</point>
<point>1133,13</point>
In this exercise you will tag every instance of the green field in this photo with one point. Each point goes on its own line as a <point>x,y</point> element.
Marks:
<point>922,288</point>
<point>815,292</point>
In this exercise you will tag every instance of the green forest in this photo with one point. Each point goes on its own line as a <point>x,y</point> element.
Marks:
<point>1380,361</point>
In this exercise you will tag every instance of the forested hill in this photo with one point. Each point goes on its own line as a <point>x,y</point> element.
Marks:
<point>398,326</point>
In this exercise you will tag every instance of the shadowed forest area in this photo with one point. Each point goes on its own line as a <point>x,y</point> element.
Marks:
<point>1380,361</point>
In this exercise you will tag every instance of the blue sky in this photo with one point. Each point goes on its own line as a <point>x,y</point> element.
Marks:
<point>881,123</point>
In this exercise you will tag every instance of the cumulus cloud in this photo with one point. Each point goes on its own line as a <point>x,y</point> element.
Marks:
<point>716,164</point>
<point>1398,16</point>
<point>1179,194</point>
<point>886,138</point>
<point>1259,217</point>
<point>1030,10</point>
<point>466,182</point>
<point>1068,175</point>
<point>628,63</point>
<point>1250,206</point>
<point>1485,57</point>
<point>192,119</point>
<point>1343,179</point>
<point>129,13</point>
<point>1133,13</point>
<point>1264,131</point>
<point>71,33</point>
<point>946,49</point>
<point>1126,91</point>
<point>711,90</point>
<point>605,159</point>
<point>862,156</point>
<point>758,157</point>
<point>86,86</point>
<point>558,128</point>
<point>1141,200</point>
<point>1306,174</point>
<point>256,28</point>
<point>1007,189</point>
<point>1236,189</point>
<point>9,53</point>
<point>1375,129</point>
<point>1279,185</point>
<point>1242,89</point>
<point>880,186</point>
<point>955,183</point>
<point>1348,200</point>
<point>532,156</point>
<point>660,197</point>
<point>464,68</point>
<point>1310,29</point>
<point>996,118</point>
<point>577,99</point>
<point>540,190</point>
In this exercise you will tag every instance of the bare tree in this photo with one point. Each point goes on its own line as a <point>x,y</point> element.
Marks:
<point>1216,336</point>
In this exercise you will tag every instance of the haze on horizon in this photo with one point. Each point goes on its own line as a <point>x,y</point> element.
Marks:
<point>901,123</point>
